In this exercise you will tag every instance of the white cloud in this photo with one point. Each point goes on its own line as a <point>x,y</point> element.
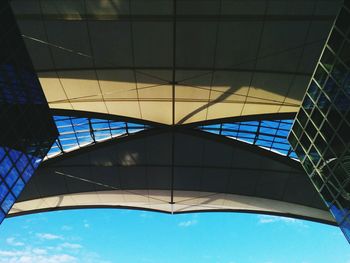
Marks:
<point>48,236</point>
<point>71,245</point>
<point>188,223</point>
<point>39,251</point>
<point>266,219</point>
<point>92,257</point>
<point>86,225</point>
<point>12,242</point>
<point>263,219</point>
<point>10,253</point>
<point>36,255</point>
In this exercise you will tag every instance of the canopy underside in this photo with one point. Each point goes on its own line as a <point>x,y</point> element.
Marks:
<point>184,202</point>
<point>175,62</point>
<point>179,170</point>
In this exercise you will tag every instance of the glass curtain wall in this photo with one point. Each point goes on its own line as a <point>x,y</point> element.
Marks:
<point>27,130</point>
<point>321,132</point>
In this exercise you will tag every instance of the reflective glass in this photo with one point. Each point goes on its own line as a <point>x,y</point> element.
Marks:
<point>77,132</point>
<point>3,190</point>
<point>5,166</point>
<point>8,202</point>
<point>323,138</point>
<point>17,189</point>
<point>268,134</point>
<point>11,177</point>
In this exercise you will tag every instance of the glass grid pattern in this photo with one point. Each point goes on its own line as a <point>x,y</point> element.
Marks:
<point>267,134</point>
<point>16,168</point>
<point>321,132</point>
<point>77,132</point>
<point>27,130</point>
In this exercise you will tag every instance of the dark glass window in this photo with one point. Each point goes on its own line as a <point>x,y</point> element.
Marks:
<point>334,118</point>
<point>327,59</point>
<point>330,88</point>
<point>337,146</point>
<point>335,40</point>
<point>323,103</point>
<point>329,156</point>
<point>320,143</point>
<point>344,131</point>
<point>320,76</point>
<point>308,165</point>
<point>314,155</point>
<point>316,179</point>
<point>302,118</point>
<point>342,102</point>
<point>317,117</point>
<point>311,130</point>
<point>327,196</point>
<point>339,72</point>
<point>345,53</point>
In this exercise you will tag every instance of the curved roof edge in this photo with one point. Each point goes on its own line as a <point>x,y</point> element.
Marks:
<point>97,115</point>
<point>113,117</point>
<point>184,202</point>
<point>253,117</point>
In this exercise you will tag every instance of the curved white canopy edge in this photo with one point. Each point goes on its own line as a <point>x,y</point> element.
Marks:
<point>159,200</point>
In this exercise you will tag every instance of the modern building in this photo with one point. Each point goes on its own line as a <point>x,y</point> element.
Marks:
<point>321,133</point>
<point>27,130</point>
<point>174,105</point>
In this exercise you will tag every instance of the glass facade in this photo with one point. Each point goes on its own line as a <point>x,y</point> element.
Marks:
<point>77,132</point>
<point>320,134</point>
<point>27,130</point>
<point>267,134</point>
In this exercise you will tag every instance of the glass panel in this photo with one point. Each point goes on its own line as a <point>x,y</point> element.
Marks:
<point>8,202</point>
<point>270,135</point>
<point>2,153</point>
<point>2,215</point>
<point>335,40</point>
<point>76,132</point>
<point>17,189</point>
<point>3,191</point>
<point>21,163</point>
<point>28,172</point>
<point>11,177</point>
<point>14,155</point>
<point>5,166</point>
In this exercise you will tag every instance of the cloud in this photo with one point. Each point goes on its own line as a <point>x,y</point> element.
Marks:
<point>71,245</point>
<point>266,219</point>
<point>39,251</point>
<point>188,223</point>
<point>56,252</point>
<point>48,236</point>
<point>36,255</point>
<point>9,253</point>
<point>12,242</point>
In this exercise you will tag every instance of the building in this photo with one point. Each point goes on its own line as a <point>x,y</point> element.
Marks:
<point>174,105</point>
<point>320,134</point>
<point>27,130</point>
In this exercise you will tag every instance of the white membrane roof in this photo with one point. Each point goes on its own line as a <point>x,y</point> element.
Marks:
<point>175,62</point>
<point>174,171</point>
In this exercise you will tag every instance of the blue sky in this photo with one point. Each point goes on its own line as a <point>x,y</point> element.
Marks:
<point>129,236</point>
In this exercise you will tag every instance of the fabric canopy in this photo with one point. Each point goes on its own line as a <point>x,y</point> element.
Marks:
<point>174,171</point>
<point>175,62</point>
